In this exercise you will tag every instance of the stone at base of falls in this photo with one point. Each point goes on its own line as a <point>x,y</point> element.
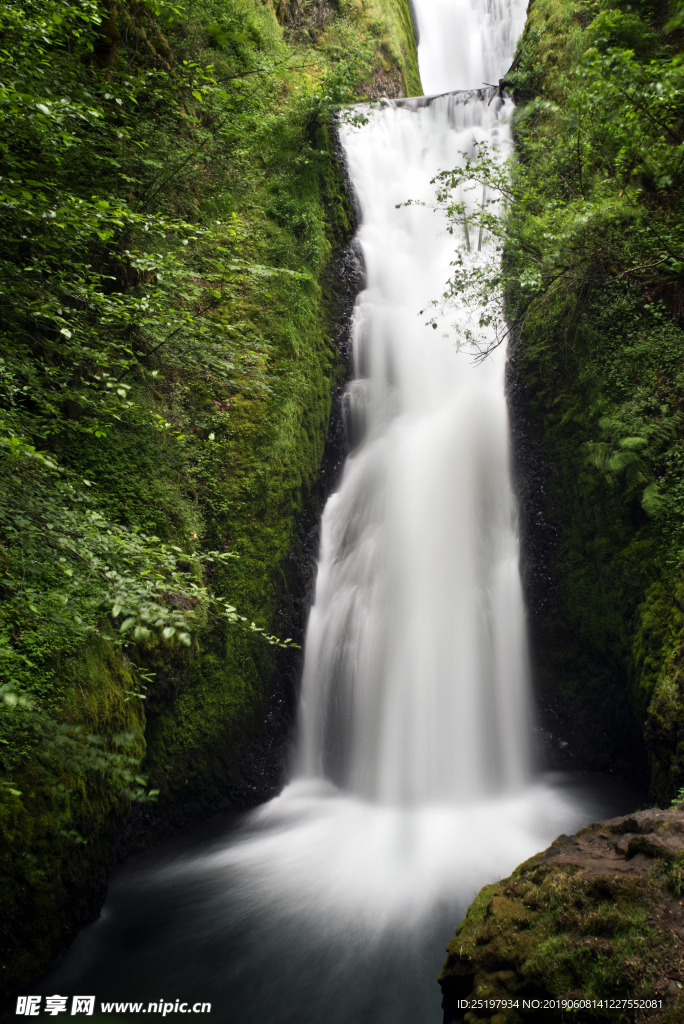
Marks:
<point>595,918</point>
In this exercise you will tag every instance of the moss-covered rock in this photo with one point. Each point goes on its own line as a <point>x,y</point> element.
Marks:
<point>594,920</point>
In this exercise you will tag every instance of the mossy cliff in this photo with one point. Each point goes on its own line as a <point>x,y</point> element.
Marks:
<point>174,219</point>
<point>595,920</point>
<point>594,282</point>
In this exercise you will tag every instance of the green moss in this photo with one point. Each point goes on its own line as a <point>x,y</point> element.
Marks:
<point>553,932</point>
<point>395,17</point>
<point>60,832</point>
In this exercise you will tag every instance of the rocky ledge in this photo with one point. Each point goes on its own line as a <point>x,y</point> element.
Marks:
<point>591,929</point>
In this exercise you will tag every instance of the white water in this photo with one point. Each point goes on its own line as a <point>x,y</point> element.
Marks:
<point>415,679</point>
<point>413,783</point>
<point>415,687</point>
<point>463,44</point>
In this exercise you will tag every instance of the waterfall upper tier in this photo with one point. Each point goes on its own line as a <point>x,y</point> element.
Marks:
<point>463,44</point>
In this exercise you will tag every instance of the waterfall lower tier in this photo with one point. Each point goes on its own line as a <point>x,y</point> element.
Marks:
<point>415,679</point>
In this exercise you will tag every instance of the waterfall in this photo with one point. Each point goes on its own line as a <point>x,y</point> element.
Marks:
<point>415,681</point>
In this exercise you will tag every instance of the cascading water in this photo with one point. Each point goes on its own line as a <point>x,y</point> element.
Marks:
<point>415,678</point>
<point>412,784</point>
<point>463,44</point>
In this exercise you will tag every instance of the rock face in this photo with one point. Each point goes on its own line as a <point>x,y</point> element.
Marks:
<point>597,921</point>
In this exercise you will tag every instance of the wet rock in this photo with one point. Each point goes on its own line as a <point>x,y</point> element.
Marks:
<point>597,915</point>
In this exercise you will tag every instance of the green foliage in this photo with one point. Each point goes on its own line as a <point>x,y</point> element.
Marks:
<point>169,202</point>
<point>94,290</point>
<point>674,869</point>
<point>63,746</point>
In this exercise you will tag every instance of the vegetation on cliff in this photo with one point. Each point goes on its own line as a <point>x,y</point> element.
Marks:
<point>594,277</point>
<point>592,280</point>
<point>170,204</point>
